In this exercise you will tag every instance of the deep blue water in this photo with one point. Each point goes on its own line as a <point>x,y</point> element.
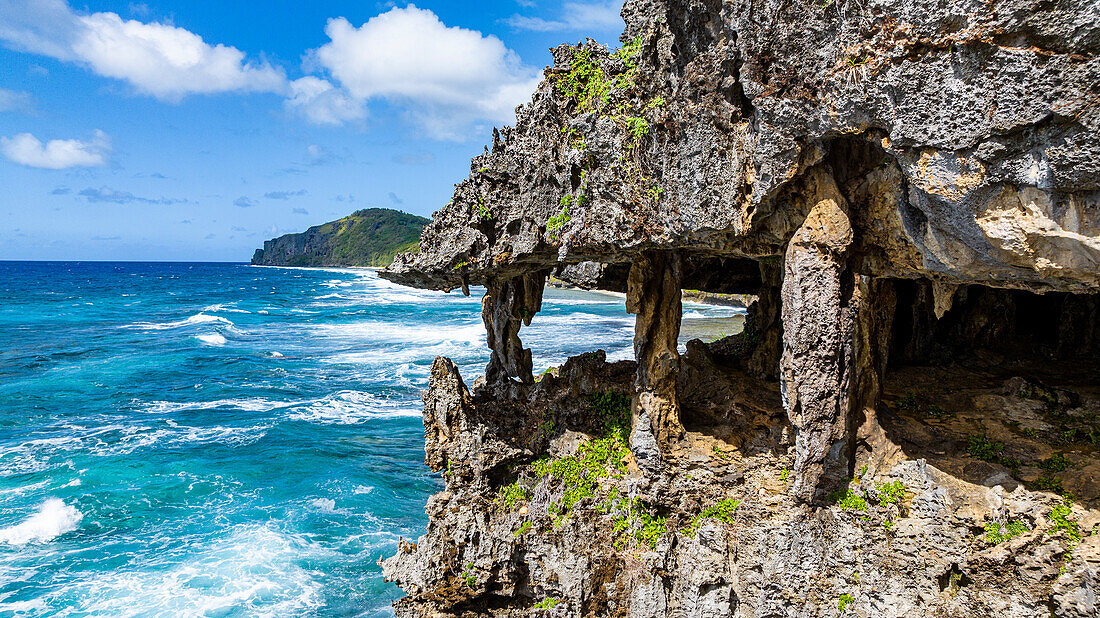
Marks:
<point>225,440</point>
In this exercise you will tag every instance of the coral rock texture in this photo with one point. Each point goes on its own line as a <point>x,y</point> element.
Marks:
<point>910,192</point>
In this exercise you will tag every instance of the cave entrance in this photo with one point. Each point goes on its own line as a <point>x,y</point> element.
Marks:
<point>998,387</point>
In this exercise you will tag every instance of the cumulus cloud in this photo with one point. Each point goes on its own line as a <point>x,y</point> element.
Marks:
<point>283,195</point>
<point>16,101</point>
<point>319,102</point>
<point>115,196</point>
<point>447,77</point>
<point>161,60</point>
<point>243,202</point>
<point>26,149</point>
<point>575,16</point>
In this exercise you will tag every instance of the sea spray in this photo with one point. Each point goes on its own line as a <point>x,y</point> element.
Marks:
<point>52,519</point>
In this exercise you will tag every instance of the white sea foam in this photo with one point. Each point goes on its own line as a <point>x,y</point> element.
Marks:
<point>253,571</point>
<point>325,505</point>
<point>198,318</point>
<point>349,408</point>
<point>113,440</point>
<point>52,519</point>
<point>33,607</point>
<point>224,309</point>
<point>212,339</point>
<point>250,404</point>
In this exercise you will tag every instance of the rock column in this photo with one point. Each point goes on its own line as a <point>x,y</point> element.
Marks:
<point>653,294</point>
<point>830,369</point>
<point>766,323</point>
<point>507,304</point>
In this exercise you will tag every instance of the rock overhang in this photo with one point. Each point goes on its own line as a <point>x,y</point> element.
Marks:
<point>968,158</point>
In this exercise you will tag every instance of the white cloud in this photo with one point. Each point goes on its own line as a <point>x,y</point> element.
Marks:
<point>26,149</point>
<point>575,16</point>
<point>115,196</point>
<point>16,101</point>
<point>162,60</point>
<point>447,77</point>
<point>319,102</point>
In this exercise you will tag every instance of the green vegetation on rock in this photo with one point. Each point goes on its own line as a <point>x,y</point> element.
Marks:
<point>370,237</point>
<point>996,532</point>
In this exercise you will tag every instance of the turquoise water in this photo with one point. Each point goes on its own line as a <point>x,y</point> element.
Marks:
<point>225,440</point>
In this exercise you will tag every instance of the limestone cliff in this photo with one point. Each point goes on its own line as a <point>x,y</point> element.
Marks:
<point>908,425</point>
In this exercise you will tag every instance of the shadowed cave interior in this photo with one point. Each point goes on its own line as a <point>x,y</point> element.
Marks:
<point>998,390</point>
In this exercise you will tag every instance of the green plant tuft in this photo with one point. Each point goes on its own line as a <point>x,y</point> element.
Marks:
<point>890,493</point>
<point>523,528</point>
<point>509,496</point>
<point>848,500</point>
<point>546,603</point>
<point>723,511</point>
<point>556,222</point>
<point>996,532</point>
<point>1057,462</point>
<point>980,447</point>
<point>1060,517</point>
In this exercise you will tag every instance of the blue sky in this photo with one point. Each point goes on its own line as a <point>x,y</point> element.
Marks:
<point>170,130</point>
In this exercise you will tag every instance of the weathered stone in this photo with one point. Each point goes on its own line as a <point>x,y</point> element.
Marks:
<point>918,182</point>
<point>821,305</point>
<point>653,293</point>
<point>506,305</point>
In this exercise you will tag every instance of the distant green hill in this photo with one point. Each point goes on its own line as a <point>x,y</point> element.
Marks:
<point>369,237</point>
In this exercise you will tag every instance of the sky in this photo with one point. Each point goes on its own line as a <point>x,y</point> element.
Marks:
<point>193,131</point>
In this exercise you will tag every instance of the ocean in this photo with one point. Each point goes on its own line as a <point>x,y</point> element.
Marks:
<point>227,440</point>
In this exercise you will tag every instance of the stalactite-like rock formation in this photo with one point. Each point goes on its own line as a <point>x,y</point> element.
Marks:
<point>911,192</point>
<point>506,305</point>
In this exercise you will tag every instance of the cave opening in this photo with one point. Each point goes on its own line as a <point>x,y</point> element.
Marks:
<point>994,386</point>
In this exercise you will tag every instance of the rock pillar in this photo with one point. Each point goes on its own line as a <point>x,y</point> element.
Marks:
<point>507,304</point>
<point>832,323</point>
<point>766,323</point>
<point>653,294</point>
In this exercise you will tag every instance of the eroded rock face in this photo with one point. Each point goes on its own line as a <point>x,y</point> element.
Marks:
<point>896,182</point>
<point>909,540</point>
<point>965,136</point>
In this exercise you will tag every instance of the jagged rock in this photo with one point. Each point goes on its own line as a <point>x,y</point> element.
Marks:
<point>911,191</point>
<point>505,306</point>
<point>922,553</point>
